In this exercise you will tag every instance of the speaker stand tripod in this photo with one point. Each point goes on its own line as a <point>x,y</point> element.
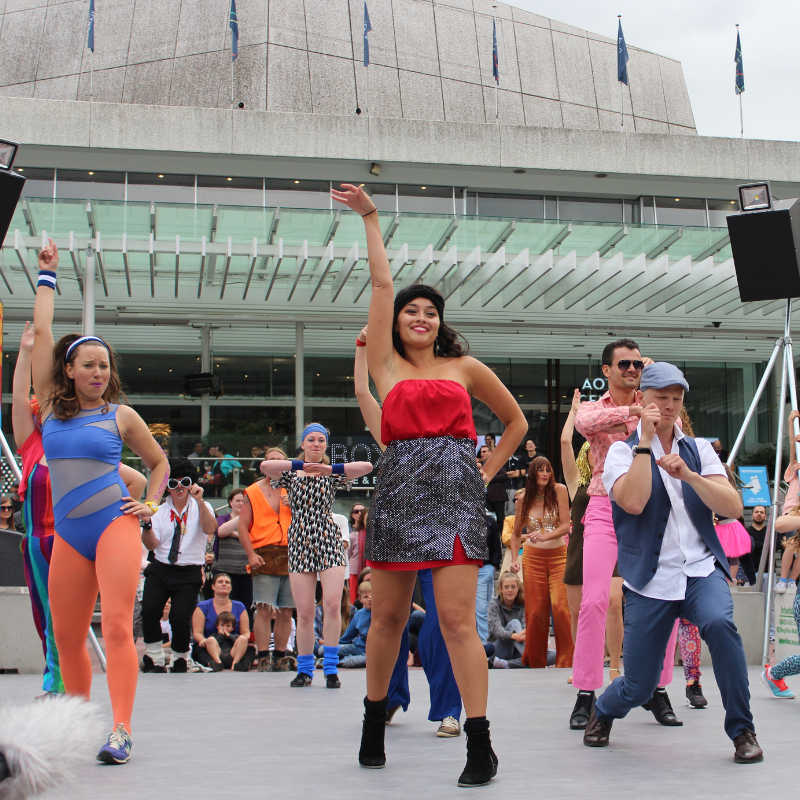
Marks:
<point>782,350</point>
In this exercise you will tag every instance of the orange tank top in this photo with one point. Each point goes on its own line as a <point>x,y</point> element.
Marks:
<point>267,527</point>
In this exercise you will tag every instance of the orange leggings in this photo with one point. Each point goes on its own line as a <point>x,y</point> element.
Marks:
<point>73,585</point>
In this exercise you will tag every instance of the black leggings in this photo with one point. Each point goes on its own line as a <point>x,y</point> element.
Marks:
<point>180,585</point>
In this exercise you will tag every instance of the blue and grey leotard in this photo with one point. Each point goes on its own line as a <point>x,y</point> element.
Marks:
<point>83,456</point>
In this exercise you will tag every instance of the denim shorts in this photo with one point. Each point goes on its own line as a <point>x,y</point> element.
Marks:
<point>272,590</point>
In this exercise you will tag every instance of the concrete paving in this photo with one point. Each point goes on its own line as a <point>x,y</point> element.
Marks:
<point>228,735</point>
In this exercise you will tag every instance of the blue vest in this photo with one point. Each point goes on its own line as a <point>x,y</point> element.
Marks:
<point>639,536</point>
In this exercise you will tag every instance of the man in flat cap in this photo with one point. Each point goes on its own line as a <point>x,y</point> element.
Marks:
<point>663,487</point>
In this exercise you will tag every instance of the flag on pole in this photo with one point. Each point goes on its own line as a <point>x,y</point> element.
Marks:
<point>495,59</point>
<point>90,38</point>
<point>622,56</point>
<point>367,29</point>
<point>739,65</point>
<point>233,21</point>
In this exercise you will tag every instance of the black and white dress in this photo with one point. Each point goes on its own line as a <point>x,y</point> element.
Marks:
<point>315,541</point>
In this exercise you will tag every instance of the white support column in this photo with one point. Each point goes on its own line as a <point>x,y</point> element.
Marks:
<point>299,380</point>
<point>88,293</point>
<point>205,366</point>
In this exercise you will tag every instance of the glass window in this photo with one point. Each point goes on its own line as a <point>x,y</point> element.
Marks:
<point>510,205</point>
<point>153,373</point>
<point>239,428</point>
<point>230,190</point>
<point>161,186</point>
<point>262,376</point>
<point>429,199</point>
<point>297,193</point>
<point>329,377</point>
<point>183,422</point>
<point>589,209</point>
<point>719,210</point>
<point>681,211</point>
<point>90,185</point>
<point>38,182</point>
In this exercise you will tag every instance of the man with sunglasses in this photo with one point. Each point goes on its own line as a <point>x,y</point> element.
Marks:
<point>177,536</point>
<point>602,422</point>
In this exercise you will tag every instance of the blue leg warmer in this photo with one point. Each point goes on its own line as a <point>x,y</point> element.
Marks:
<point>330,660</point>
<point>305,664</point>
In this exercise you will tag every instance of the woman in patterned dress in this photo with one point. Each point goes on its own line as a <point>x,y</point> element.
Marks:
<point>428,508</point>
<point>315,546</point>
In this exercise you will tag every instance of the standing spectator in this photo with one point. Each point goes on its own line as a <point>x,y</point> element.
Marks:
<point>486,573</point>
<point>489,441</point>
<point>223,466</point>
<point>358,539</point>
<point>757,530</point>
<point>544,511</point>
<point>525,457</point>
<point>177,535</point>
<point>507,622</point>
<point>263,528</point>
<point>231,557</point>
<point>196,457</point>
<point>496,494</point>
<point>7,514</point>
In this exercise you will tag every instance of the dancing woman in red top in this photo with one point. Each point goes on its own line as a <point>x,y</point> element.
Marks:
<point>427,510</point>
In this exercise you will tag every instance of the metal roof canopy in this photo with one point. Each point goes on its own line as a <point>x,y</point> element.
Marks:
<point>238,266</point>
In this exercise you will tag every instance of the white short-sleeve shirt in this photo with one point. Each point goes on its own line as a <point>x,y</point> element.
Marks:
<point>192,548</point>
<point>683,552</point>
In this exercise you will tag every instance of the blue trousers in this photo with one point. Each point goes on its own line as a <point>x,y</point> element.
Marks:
<point>444,695</point>
<point>483,597</point>
<point>648,624</point>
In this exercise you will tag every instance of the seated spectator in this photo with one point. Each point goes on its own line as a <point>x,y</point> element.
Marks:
<point>507,622</point>
<point>353,642</point>
<point>7,514</point>
<point>225,649</point>
<point>206,649</point>
<point>196,456</point>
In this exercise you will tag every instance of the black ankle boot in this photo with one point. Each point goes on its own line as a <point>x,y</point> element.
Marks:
<point>481,764</point>
<point>371,754</point>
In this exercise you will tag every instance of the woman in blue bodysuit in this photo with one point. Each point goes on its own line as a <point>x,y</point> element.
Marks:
<point>97,542</point>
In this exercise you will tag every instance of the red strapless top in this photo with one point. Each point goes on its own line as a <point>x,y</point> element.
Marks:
<point>416,409</point>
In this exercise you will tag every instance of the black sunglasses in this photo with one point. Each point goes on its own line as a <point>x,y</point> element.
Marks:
<point>174,483</point>
<point>625,363</point>
<point>6,508</point>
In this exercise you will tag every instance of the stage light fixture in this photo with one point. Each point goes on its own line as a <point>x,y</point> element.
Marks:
<point>755,197</point>
<point>8,152</point>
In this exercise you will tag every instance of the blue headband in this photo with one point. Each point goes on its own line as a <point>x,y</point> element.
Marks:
<point>314,427</point>
<point>82,340</point>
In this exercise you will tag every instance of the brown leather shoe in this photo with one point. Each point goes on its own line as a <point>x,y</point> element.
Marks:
<point>597,730</point>
<point>747,748</point>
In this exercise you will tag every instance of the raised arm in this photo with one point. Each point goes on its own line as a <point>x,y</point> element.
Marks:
<point>380,350</point>
<point>487,387</point>
<point>369,406</point>
<point>21,418</point>
<point>568,464</point>
<point>43,309</point>
<point>275,466</point>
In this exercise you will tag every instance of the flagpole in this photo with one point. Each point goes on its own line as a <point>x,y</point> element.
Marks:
<point>621,94</point>
<point>741,118</point>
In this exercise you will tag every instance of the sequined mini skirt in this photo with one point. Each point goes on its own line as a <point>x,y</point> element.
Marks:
<point>428,491</point>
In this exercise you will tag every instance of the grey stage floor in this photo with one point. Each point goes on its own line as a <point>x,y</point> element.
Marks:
<point>227,735</point>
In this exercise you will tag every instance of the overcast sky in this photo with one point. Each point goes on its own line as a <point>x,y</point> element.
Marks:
<point>701,34</point>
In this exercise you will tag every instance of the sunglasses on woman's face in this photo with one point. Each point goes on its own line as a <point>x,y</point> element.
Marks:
<point>6,508</point>
<point>174,483</point>
<point>358,510</point>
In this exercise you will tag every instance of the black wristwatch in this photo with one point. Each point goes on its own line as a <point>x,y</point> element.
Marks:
<point>147,525</point>
<point>639,450</point>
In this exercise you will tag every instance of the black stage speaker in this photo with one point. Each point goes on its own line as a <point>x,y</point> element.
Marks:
<point>10,189</point>
<point>766,251</point>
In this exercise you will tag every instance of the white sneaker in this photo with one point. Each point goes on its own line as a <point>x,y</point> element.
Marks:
<point>449,728</point>
<point>781,585</point>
